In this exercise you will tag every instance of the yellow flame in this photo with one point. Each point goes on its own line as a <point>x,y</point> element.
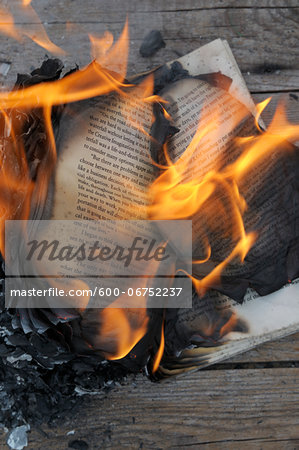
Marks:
<point>160,351</point>
<point>216,193</point>
<point>125,327</point>
<point>100,45</point>
<point>32,28</point>
<point>8,24</point>
<point>172,195</point>
<point>260,108</point>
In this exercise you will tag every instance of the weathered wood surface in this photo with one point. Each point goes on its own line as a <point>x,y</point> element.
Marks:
<point>222,408</point>
<point>263,35</point>
<point>289,99</point>
<point>248,408</point>
<point>282,350</point>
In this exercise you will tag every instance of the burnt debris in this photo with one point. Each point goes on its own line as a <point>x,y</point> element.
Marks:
<point>152,42</point>
<point>47,361</point>
<point>50,70</point>
<point>41,379</point>
<point>163,128</point>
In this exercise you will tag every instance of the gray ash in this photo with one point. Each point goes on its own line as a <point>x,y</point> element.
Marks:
<point>41,379</point>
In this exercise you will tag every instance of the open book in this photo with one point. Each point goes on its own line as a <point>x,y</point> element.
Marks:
<point>104,171</point>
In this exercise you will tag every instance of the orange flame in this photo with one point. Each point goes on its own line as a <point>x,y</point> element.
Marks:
<point>260,108</point>
<point>215,193</point>
<point>100,45</point>
<point>160,351</point>
<point>7,24</point>
<point>229,325</point>
<point>123,327</point>
<point>173,195</point>
<point>33,27</point>
<point>90,82</point>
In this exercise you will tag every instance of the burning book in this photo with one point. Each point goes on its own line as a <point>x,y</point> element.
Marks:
<point>182,143</point>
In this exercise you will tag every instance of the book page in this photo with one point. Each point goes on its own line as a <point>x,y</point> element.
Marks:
<point>104,165</point>
<point>217,56</point>
<point>265,190</point>
<point>261,319</point>
<point>220,118</point>
<point>104,170</point>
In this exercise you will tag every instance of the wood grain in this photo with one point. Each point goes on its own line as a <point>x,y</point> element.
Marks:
<point>78,11</point>
<point>233,408</point>
<point>263,36</point>
<point>289,99</point>
<point>214,409</point>
<point>282,350</point>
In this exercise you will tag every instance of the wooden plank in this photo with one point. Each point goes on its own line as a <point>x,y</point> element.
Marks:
<point>264,40</point>
<point>220,408</point>
<point>278,80</point>
<point>290,100</point>
<point>223,409</point>
<point>282,350</point>
<point>269,444</point>
<point>69,8</point>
